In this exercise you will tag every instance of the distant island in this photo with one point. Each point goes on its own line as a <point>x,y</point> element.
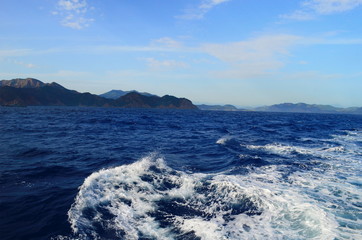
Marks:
<point>33,92</point>
<point>286,108</point>
<point>307,108</point>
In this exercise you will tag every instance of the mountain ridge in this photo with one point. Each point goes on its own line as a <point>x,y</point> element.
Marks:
<point>114,94</point>
<point>33,92</point>
<point>286,108</point>
<point>226,107</point>
<point>307,108</point>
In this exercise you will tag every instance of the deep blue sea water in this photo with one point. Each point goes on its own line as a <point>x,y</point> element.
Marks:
<point>104,173</point>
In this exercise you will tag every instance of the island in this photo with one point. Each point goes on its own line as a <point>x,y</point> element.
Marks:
<point>33,92</point>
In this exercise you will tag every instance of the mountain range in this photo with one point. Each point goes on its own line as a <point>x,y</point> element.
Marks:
<point>307,108</point>
<point>32,92</point>
<point>287,108</point>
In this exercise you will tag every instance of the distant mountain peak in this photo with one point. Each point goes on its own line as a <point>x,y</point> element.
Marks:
<point>114,94</point>
<point>137,100</point>
<point>227,107</point>
<point>22,83</point>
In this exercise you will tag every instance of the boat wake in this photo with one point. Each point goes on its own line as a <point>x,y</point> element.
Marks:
<point>149,200</point>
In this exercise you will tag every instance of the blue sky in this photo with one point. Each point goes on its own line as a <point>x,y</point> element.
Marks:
<point>242,52</point>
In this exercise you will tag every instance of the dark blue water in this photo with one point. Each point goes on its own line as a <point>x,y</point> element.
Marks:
<point>98,173</point>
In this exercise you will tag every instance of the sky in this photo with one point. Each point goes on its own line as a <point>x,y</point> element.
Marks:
<point>240,52</point>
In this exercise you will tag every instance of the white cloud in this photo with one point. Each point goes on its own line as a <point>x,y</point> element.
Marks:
<point>252,58</point>
<point>76,22</point>
<point>199,11</point>
<point>27,65</point>
<point>248,70</point>
<point>73,13</point>
<point>302,62</point>
<point>299,15</point>
<point>125,48</point>
<point>313,8</point>
<point>165,64</point>
<point>73,5</point>
<point>166,42</point>
<point>263,56</point>
<point>69,74</point>
<point>331,6</point>
<point>14,52</point>
<point>311,75</point>
<point>259,49</point>
<point>5,53</point>
<point>8,57</point>
<point>208,4</point>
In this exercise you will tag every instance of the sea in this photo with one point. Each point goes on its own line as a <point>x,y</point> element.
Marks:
<point>71,173</point>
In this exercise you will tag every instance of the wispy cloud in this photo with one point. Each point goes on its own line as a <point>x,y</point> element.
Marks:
<point>254,57</point>
<point>5,53</point>
<point>310,9</point>
<point>167,42</point>
<point>24,64</point>
<point>200,11</point>
<point>264,47</point>
<point>14,52</point>
<point>73,13</point>
<point>164,44</point>
<point>331,6</point>
<point>264,56</point>
<point>299,15</point>
<point>164,64</point>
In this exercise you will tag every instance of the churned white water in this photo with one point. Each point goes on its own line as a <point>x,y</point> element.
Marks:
<point>149,199</point>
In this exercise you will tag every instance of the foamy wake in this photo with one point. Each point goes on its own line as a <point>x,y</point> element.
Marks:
<point>149,200</point>
<point>334,182</point>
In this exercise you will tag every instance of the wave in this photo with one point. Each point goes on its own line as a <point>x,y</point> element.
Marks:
<point>223,140</point>
<point>149,200</point>
<point>328,151</point>
<point>281,149</point>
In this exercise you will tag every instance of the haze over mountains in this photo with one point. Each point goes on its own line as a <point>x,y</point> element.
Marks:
<point>308,108</point>
<point>286,107</point>
<point>32,92</point>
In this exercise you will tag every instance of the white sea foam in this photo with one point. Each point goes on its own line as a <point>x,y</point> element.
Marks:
<point>335,195</point>
<point>149,199</point>
<point>281,149</point>
<point>223,140</point>
<point>328,151</point>
<point>336,186</point>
